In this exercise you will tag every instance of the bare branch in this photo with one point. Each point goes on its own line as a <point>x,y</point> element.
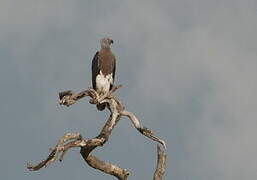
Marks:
<point>161,164</point>
<point>41,164</point>
<point>143,130</point>
<point>67,98</point>
<point>71,140</point>
<point>54,152</point>
<point>106,167</point>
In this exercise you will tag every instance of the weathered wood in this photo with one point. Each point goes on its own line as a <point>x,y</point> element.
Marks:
<point>106,167</point>
<point>161,164</point>
<point>71,140</point>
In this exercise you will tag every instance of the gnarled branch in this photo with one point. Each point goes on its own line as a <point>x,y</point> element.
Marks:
<point>71,140</point>
<point>161,164</point>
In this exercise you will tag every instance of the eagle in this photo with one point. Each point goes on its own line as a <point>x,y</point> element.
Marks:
<point>103,69</point>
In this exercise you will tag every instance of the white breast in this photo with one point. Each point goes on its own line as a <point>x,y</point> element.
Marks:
<point>103,82</point>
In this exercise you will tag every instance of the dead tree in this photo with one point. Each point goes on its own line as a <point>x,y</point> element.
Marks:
<point>71,140</point>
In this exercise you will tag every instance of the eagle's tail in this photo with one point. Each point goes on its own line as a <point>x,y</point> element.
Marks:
<point>101,106</point>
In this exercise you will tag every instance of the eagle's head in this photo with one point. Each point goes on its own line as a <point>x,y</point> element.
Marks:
<point>106,43</point>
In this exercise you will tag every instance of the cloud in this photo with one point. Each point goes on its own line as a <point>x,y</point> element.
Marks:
<point>217,56</point>
<point>189,71</point>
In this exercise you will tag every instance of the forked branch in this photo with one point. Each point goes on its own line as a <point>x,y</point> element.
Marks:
<point>71,140</point>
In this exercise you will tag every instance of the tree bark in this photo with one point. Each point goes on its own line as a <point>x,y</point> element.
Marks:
<point>71,140</point>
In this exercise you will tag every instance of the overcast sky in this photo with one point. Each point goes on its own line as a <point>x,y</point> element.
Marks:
<point>189,71</point>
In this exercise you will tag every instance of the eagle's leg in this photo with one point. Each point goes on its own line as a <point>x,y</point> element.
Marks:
<point>109,93</point>
<point>102,97</point>
<point>99,97</point>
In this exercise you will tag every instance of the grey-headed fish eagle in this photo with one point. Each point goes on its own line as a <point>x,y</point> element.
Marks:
<point>103,69</point>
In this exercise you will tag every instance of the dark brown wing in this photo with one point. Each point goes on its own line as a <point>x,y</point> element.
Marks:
<point>113,71</point>
<point>95,69</point>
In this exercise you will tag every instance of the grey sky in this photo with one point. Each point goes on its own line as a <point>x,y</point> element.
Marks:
<point>189,71</point>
